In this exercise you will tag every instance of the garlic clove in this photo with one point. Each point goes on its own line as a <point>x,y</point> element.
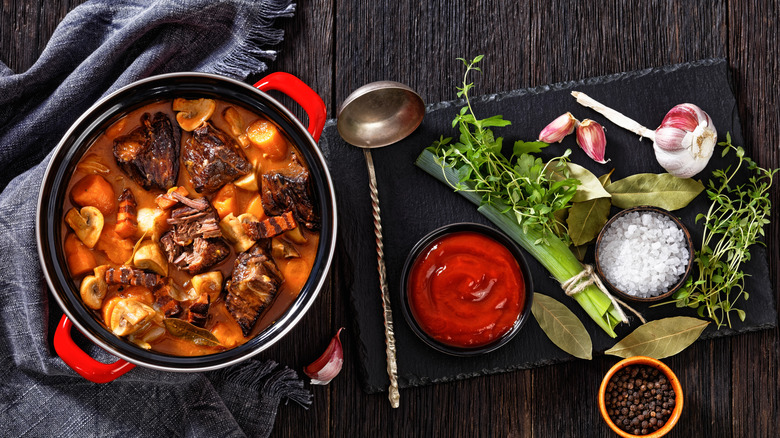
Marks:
<point>684,116</point>
<point>328,365</point>
<point>592,139</point>
<point>670,138</point>
<point>558,129</point>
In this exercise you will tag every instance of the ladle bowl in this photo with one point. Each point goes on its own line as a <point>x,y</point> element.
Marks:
<point>379,114</point>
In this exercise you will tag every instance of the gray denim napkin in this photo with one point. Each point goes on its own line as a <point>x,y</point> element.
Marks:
<point>99,47</point>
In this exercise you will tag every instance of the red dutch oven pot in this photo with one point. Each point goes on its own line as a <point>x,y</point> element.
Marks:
<point>50,227</point>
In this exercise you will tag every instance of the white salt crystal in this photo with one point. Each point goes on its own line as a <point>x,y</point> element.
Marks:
<point>643,254</point>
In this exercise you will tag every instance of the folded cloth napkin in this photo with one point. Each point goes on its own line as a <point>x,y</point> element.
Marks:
<point>99,47</point>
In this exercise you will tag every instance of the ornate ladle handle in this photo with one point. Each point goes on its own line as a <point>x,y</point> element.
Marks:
<point>392,367</point>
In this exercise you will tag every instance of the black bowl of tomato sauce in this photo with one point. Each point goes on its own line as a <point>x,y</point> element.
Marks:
<point>466,289</point>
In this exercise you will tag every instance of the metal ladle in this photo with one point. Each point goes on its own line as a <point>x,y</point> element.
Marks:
<point>375,115</point>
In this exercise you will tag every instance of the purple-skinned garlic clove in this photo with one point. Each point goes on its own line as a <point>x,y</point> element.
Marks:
<point>592,140</point>
<point>558,129</point>
<point>329,364</point>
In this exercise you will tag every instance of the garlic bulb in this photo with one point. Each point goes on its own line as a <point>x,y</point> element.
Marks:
<point>683,143</point>
<point>685,140</point>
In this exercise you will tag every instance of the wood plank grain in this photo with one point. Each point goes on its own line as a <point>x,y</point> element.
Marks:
<point>25,28</point>
<point>753,51</point>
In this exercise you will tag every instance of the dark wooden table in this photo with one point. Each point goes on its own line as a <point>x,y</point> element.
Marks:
<point>731,385</point>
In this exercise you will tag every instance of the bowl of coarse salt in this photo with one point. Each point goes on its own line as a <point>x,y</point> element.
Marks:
<point>644,253</point>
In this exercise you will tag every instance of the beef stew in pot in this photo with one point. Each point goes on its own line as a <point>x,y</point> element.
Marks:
<point>190,226</point>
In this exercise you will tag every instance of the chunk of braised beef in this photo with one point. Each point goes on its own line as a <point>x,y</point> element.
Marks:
<point>197,257</point>
<point>213,159</point>
<point>165,303</point>
<point>205,254</point>
<point>195,242</point>
<point>169,246</point>
<point>149,154</point>
<point>196,218</point>
<point>198,311</point>
<point>290,190</point>
<point>253,284</point>
<point>131,276</point>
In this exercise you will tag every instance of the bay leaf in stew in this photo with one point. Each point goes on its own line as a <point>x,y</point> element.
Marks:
<point>185,330</point>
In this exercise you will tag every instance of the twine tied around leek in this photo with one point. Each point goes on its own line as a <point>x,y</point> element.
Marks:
<point>588,276</point>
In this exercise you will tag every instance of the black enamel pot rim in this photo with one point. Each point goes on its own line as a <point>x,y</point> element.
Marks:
<point>83,132</point>
<point>499,237</point>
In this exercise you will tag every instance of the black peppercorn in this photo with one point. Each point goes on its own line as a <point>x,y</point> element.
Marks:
<point>639,399</point>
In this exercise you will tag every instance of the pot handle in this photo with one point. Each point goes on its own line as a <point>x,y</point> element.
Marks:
<point>80,362</point>
<point>302,94</point>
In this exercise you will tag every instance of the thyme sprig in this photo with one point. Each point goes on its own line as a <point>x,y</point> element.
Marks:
<point>734,222</point>
<point>520,184</point>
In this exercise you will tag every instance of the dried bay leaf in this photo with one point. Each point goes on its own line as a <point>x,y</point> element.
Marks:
<point>586,219</point>
<point>660,338</point>
<point>606,179</point>
<point>562,326</point>
<point>659,190</point>
<point>590,187</point>
<point>560,220</point>
<point>185,330</point>
<point>579,251</point>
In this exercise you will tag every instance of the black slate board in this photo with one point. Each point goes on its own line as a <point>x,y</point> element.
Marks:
<point>413,203</point>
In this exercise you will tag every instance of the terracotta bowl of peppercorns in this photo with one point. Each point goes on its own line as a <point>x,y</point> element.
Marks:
<point>640,397</point>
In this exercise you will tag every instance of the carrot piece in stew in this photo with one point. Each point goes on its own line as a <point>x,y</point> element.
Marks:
<point>126,217</point>
<point>117,249</point>
<point>80,258</point>
<point>255,207</point>
<point>266,137</point>
<point>95,191</point>
<point>225,201</point>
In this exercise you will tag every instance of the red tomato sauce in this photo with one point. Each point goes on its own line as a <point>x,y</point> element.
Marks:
<point>466,290</point>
